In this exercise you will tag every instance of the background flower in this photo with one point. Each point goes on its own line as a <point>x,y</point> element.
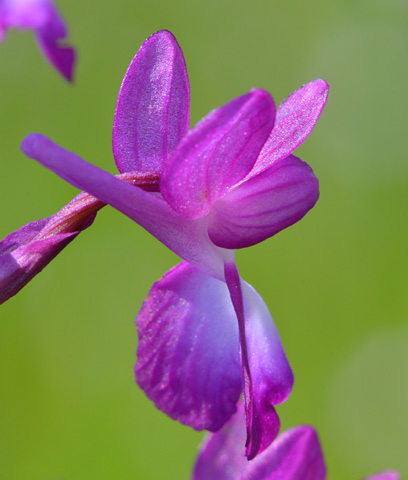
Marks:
<point>295,455</point>
<point>50,30</point>
<point>68,393</point>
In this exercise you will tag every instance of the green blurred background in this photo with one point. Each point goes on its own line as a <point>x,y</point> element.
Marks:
<point>336,283</point>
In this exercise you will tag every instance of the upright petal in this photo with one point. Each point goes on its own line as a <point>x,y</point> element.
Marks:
<point>187,239</point>
<point>264,204</point>
<point>217,154</point>
<point>295,455</point>
<point>266,374</point>
<point>188,353</point>
<point>388,475</point>
<point>152,112</point>
<point>295,119</point>
<point>43,17</point>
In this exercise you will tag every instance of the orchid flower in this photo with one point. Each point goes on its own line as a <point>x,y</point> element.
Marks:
<point>295,455</point>
<point>204,334</point>
<point>42,17</point>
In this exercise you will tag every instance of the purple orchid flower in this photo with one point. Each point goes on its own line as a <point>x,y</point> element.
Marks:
<point>42,17</point>
<point>295,455</point>
<point>230,183</point>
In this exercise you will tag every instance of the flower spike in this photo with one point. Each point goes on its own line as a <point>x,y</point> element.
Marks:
<point>231,182</point>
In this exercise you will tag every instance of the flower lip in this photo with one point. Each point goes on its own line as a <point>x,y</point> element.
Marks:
<point>187,364</point>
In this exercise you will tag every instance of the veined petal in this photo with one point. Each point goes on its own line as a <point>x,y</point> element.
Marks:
<point>218,153</point>
<point>388,475</point>
<point>44,18</point>
<point>295,455</point>
<point>25,252</point>
<point>187,239</point>
<point>266,374</point>
<point>188,352</point>
<point>152,112</point>
<point>264,204</point>
<point>295,119</point>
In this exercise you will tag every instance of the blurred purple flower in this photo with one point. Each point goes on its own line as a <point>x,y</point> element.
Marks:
<point>42,17</point>
<point>230,183</point>
<point>388,475</point>
<point>295,455</point>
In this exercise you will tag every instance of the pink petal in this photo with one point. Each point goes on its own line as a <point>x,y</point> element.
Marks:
<point>295,455</point>
<point>217,154</point>
<point>266,374</point>
<point>43,17</point>
<point>188,353</point>
<point>187,239</point>
<point>264,204</point>
<point>152,112</point>
<point>295,119</point>
<point>388,475</point>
